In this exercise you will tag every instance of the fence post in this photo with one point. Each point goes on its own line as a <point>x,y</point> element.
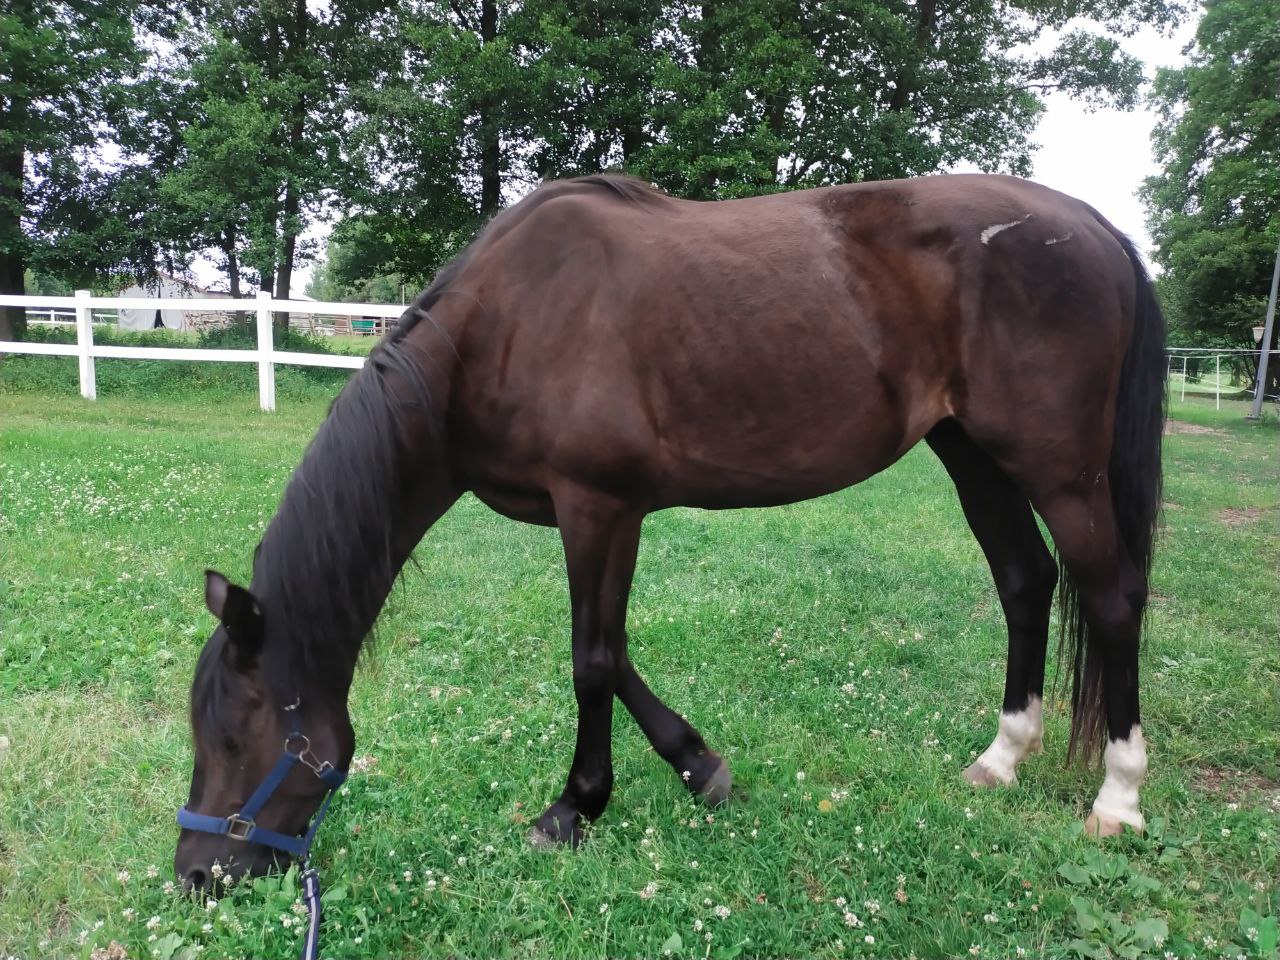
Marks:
<point>1184,377</point>
<point>84,343</point>
<point>1217,381</point>
<point>266,369</point>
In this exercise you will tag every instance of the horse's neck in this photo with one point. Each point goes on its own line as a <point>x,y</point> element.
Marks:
<point>374,479</point>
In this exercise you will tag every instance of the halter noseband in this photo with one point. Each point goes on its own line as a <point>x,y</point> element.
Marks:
<point>242,825</point>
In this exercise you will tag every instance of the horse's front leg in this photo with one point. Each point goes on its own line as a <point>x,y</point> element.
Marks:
<point>600,536</point>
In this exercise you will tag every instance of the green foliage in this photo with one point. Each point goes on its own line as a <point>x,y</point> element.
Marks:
<point>1213,210</point>
<point>711,100</point>
<point>174,380</point>
<point>339,276</point>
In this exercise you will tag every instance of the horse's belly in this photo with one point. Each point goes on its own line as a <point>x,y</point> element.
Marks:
<point>764,459</point>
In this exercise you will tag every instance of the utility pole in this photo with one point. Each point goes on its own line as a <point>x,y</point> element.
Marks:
<point>1264,353</point>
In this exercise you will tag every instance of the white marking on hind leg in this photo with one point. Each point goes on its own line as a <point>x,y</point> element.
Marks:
<point>995,228</point>
<point>1021,734</point>
<point>1117,802</point>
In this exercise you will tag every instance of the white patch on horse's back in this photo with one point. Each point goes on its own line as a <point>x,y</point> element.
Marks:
<point>1052,240</point>
<point>995,228</point>
<point>1126,762</point>
<point>1021,734</point>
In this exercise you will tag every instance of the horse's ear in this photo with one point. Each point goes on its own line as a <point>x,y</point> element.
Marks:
<point>238,612</point>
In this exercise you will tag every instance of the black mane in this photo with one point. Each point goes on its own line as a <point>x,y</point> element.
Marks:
<point>326,562</point>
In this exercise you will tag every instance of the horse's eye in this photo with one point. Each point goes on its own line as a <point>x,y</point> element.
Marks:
<point>229,744</point>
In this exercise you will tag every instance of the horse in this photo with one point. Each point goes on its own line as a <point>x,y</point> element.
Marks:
<point>602,350</point>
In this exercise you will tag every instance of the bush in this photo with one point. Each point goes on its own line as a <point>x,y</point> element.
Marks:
<point>151,378</point>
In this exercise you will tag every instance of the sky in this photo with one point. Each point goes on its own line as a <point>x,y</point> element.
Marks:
<point>1103,157</point>
<point>1100,157</point>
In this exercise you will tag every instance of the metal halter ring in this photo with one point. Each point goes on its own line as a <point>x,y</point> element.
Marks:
<point>305,756</point>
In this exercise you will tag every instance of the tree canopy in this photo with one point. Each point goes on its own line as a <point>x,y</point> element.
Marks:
<point>1214,210</point>
<point>137,136</point>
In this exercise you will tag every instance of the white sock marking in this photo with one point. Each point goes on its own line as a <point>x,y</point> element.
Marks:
<point>1021,734</point>
<point>1126,762</point>
<point>995,228</point>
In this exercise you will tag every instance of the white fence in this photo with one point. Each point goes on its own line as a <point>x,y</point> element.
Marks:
<point>1179,357</point>
<point>265,355</point>
<point>83,306</point>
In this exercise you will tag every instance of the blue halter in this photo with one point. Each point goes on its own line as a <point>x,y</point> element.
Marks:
<point>242,826</point>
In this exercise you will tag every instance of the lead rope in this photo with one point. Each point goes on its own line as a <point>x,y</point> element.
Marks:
<point>311,894</point>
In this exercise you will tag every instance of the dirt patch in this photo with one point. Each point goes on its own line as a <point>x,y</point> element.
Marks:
<point>1172,427</point>
<point>1234,517</point>
<point>1236,785</point>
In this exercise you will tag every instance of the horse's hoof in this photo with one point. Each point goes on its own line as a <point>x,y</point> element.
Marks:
<point>1100,825</point>
<point>539,839</point>
<point>718,786</point>
<point>558,827</point>
<point>980,775</point>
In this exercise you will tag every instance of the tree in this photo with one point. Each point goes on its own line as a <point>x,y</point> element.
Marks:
<point>336,278</point>
<point>63,70</point>
<point>708,100</point>
<point>1214,210</point>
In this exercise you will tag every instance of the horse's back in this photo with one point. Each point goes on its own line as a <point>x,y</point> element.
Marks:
<point>778,347</point>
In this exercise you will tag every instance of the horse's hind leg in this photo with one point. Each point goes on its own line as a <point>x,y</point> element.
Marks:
<point>1025,575</point>
<point>1111,593</point>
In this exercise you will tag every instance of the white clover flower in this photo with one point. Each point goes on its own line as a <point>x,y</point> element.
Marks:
<point>697,926</point>
<point>153,923</point>
<point>722,912</point>
<point>868,939</point>
<point>123,876</point>
<point>152,872</point>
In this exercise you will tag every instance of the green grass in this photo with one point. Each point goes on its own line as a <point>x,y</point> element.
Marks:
<point>751,623</point>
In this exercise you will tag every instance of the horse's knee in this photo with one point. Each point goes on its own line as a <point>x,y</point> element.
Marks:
<point>595,674</point>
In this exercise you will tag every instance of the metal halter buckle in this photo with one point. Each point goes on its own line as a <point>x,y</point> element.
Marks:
<point>245,827</point>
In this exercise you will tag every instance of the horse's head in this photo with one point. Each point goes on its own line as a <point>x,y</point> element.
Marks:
<point>243,722</point>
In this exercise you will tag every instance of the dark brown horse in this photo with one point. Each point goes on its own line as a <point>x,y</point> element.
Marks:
<point>602,351</point>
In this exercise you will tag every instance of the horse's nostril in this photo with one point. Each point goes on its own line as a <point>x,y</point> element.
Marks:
<point>195,880</point>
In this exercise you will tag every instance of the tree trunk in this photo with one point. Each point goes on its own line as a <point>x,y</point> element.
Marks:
<point>292,195</point>
<point>13,320</point>
<point>632,140</point>
<point>233,271</point>
<point>709,60</point>
<point>904,82</point>
<point>488,128</point>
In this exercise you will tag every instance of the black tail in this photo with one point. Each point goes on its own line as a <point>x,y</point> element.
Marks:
<point>1135,479</point>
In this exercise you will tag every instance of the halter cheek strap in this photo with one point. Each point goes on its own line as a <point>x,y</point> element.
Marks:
<point>242,825</point>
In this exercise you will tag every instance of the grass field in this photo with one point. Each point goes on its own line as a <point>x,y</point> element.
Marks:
<point>846,656</point>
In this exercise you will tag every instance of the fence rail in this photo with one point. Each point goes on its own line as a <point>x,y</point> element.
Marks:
<point>83,305</point>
